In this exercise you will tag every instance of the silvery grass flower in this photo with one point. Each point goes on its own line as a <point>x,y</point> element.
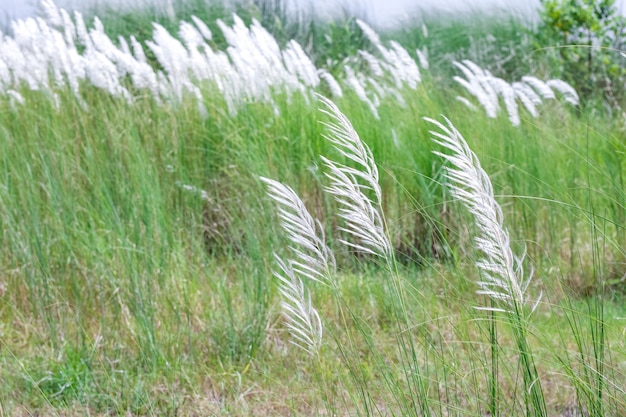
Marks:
<point>530,91</point>
<point>358,86</point>
<point>396,60</point>
<point>301,318</point>
<point>539,86</point>
<point>351,186</point>
<point>331,83</point>
<point>311,259</point>
<point>502,272</point>
<point>567,91</point>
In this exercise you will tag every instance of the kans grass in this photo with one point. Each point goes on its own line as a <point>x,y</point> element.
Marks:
<point>221,240</point>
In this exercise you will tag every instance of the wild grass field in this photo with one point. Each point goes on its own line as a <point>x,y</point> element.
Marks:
<point>251,215</point>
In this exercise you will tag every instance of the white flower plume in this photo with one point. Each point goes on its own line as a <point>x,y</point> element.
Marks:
<point>502,273</point>
<point>302,319</point>
<point>311,260</point>
<point>350,186</point>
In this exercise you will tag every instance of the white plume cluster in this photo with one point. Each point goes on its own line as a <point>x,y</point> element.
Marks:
<point>386,76</point>
<point>358,194</point>
<point>57,50</point>
<point>302,319</point>
<point>311,257</point>
<point>350,186</point>
<point>502,272</point>
<point>310,260</point>
<point>530,91</point>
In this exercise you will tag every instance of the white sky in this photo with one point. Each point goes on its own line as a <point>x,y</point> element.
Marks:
<point>378,11</point>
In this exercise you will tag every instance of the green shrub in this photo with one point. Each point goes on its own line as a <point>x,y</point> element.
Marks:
<point>583,38</point>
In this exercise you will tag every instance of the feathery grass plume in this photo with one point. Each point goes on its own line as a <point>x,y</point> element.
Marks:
<point>406,65</point>
<point>422,57</point>
<point>567,91</point>
<point>527,97</point>
<point>369,33</point>
<point>124,45</point>
<point>312,260</point>
<point>483,77</point>
<point>299,64</point>
<point>358,193</point>
<point>502,273</point>
<point>528,104</point>
<point>396,60</point>
<point>373,63</point>
<point>540,87</point>
<point>192,38</point>
<point>51,12</point>
<point>465,101</point>
<point>487,89</point>
<point>331,82</point>
<point>138,51</point>
<point>202,28</point>
<point>349,186</point>
<point>525,89</point>
<point>379,90</point>
<point>358,87</point>
<point>302,319</point>
<point>474,86</point>
<point>508,95</point>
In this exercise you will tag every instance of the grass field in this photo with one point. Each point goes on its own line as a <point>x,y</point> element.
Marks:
<point>139,245</point>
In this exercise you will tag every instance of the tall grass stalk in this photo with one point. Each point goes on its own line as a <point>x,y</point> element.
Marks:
<point>311,259</point>
<point>355,187</point>
<point>358,193</point>
<point>502,272</point>
<point>589,372</point>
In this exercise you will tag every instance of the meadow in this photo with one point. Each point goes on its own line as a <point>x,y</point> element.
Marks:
<point>218,214</point>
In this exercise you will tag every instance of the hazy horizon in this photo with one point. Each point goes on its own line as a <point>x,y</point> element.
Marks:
<point>380,13</point>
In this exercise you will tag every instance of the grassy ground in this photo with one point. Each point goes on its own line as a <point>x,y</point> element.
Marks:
<point>126,291</point>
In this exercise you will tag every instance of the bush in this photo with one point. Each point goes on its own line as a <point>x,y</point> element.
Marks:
<point>584,39</point>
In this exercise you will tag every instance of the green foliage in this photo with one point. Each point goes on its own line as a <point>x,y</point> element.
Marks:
<point>584,39</point>
<point>68,379</point>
